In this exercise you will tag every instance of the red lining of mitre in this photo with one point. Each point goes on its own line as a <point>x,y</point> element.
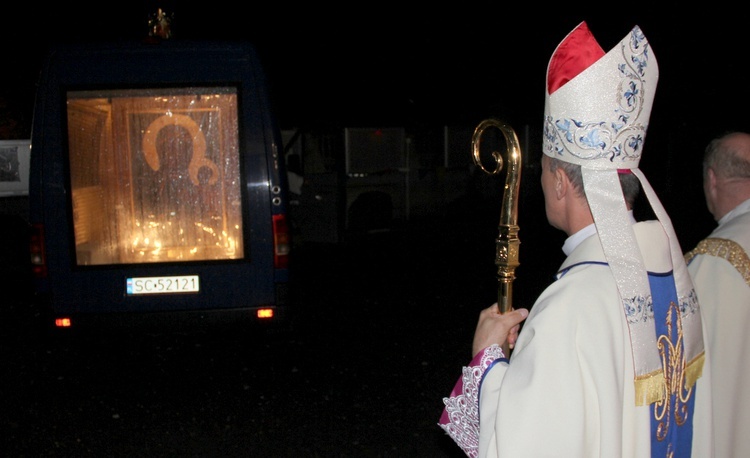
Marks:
<point>577,52</point>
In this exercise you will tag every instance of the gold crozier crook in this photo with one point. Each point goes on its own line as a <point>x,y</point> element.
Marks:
<point>507,243</point>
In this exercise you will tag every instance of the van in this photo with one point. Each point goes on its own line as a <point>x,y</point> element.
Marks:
<point>157,186</point>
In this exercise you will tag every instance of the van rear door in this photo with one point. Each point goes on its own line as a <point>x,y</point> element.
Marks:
<point>156,184</point>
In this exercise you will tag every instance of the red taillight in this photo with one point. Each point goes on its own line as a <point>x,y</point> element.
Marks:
<point>281,242</point>
<point>36,247</point>
<point>62,322</point>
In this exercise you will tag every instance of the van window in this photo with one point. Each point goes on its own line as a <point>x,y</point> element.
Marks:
<point>155,175</point>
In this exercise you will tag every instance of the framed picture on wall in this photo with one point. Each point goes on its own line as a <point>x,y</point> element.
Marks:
<point>14,167</point>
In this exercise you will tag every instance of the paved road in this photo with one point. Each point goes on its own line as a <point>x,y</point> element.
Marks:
<point>384,324</point>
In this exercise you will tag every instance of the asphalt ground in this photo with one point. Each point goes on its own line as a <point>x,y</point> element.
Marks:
<point>383,323</point>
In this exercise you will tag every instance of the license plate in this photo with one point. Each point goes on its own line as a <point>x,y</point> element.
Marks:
<point>162,285</point>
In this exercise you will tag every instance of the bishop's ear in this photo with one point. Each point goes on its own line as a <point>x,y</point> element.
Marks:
<point>561,183</point>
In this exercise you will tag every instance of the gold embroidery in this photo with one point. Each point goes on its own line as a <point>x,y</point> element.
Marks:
<point>673,364</point>
<point>649,388</point>
<point>726,249</point>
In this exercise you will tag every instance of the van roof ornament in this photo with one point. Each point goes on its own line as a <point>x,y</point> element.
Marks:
<point>160,25</point>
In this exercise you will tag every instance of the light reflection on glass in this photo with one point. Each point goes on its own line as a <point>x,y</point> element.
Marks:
<point>155,175</point>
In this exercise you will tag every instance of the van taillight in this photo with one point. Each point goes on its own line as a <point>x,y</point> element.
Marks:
<point>62,322</point>
<point>36,247</point>
<point>281,242</point>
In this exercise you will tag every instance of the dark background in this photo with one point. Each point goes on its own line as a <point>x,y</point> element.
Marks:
<point>397,64</point>
<point>391,62</point>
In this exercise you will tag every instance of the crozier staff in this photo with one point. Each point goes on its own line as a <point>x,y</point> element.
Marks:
<point>610,360</point>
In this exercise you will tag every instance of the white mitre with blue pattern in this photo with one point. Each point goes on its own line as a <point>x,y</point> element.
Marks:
<point>598,118</point>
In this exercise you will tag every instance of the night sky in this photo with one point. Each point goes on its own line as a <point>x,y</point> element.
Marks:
<point>397,64</point>
<point>392,63</point>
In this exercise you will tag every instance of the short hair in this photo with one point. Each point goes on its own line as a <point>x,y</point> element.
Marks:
<point>629,183</point>
<point>725,161</point>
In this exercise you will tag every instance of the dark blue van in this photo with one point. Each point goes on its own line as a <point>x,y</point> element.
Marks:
<point>157,188</point>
